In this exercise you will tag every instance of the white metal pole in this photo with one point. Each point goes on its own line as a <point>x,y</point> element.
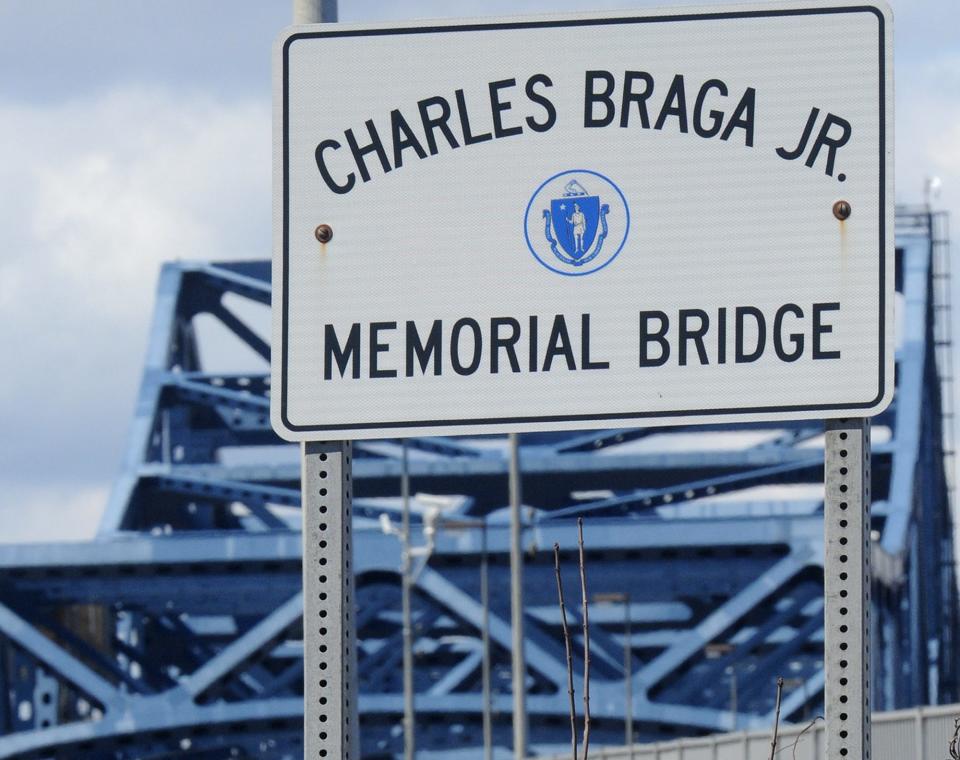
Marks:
<point>516,604</point>
<point>734,707</point>
<point>314,11</point>
<point>406,579</point>
<point>847,588</point>
<point>628,673</point>
<point>485,633</point>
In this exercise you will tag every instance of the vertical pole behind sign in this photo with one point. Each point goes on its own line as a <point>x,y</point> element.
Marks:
<point>406,583</point>
<point>516,604</point>
<point>628,673</point>
<point>485,636</point>
<point>314,11</point>
<point>847,588</point>
<point>330,727</point>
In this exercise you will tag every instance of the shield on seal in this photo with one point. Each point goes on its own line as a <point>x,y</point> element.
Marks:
<point>575,220</point>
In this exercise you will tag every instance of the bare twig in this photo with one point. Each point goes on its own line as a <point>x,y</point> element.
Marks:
<point>586,644</point>
<point>776,719</point>
<point>566,641</point>
<point>806,728</point>
<point>955,741</point>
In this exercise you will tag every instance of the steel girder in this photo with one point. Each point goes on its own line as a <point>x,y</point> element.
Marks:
<point>177,632</point>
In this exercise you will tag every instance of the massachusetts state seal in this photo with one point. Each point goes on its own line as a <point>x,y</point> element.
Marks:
<point>577,222</point>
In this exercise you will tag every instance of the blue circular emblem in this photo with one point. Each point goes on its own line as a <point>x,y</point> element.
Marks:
<point>576,222</point>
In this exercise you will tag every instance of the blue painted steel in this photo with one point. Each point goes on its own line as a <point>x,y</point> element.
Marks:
<point>177,633</point>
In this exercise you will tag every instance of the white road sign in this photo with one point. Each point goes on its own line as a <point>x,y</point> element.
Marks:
<point>594,220</point>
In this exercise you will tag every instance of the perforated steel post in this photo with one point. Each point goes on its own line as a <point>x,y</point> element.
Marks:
<point>329,650</point>
<point>847,588</point>
<point>330,726</point>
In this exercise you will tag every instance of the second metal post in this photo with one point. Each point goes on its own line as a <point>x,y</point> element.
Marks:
<point>846,583</point>
<point>516,604</point>
<point>406,581</point>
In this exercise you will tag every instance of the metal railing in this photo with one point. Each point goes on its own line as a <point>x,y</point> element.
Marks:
<point>920,734</point>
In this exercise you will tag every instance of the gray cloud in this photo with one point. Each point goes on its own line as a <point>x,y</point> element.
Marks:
<point>148,176</point>
<point>133,132</point>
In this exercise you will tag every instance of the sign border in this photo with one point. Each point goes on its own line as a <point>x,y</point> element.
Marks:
<point>812,409</point>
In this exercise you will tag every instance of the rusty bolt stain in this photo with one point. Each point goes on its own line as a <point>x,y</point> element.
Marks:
<point>841,210</point>
<point>323,233</point>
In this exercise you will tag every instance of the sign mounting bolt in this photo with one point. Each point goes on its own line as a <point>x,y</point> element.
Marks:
<point>841,210</point>
<point>324,233</point>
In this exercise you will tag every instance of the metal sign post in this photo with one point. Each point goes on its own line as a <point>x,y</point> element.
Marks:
<point>329,652</point>
<point>846,583</point>
<point>330,724</point>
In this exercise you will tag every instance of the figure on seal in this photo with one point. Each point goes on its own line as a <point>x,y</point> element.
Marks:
<point>579,222</point>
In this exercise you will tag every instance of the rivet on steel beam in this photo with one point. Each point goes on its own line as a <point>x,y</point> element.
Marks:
<point>841,210</point>
<point>323,233</point>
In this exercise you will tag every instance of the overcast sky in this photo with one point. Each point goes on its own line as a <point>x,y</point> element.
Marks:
<point>134,132</point>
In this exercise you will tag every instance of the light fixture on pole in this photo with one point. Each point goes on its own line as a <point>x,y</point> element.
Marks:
<point>432,507</point>
<point>931,190</point>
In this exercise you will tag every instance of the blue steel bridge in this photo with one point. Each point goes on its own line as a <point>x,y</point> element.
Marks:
<point>177,631</point>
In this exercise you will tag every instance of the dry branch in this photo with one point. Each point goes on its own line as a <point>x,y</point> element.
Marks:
<point>806,728</point>
<point>776,719</point>
<point>566,641</point>
<point>586,644</point>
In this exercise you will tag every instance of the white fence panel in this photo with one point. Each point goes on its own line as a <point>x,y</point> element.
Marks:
<point>697,749</point>
<point>895,738</point>
<point>937,732</point>
<point>920,734</point>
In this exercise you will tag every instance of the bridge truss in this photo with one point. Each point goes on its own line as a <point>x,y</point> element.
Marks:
<point>177,631</point>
